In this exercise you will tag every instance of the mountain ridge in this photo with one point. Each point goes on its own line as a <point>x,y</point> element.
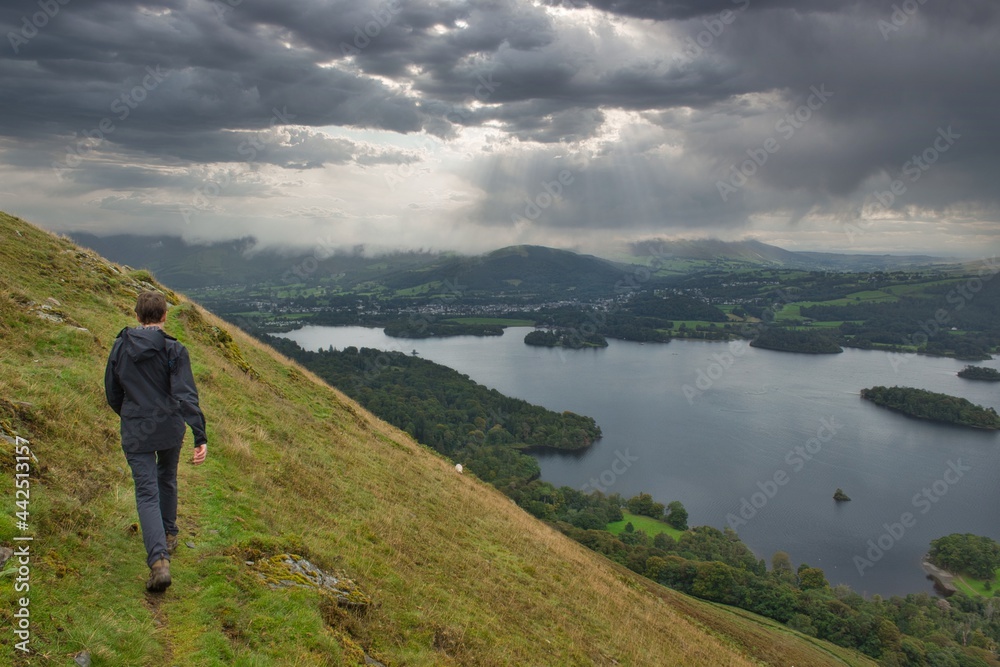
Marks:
<point>183,265</point>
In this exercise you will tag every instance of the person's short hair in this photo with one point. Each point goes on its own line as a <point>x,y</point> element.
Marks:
<point>151,307</point>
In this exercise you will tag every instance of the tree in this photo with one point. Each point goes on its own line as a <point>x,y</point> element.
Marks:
<point>655,566</point>
<point>781,567</point>
<point>677,516</point>
<point>629,527</point>
<point>713,582</point>
<point>645,505</point>
<point>665,542</point>
<point>812,577</point>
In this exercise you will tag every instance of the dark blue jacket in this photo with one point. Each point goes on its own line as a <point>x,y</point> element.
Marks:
<point>149,383</point>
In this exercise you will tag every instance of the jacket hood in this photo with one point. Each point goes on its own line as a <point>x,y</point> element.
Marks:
<point>143,343</point>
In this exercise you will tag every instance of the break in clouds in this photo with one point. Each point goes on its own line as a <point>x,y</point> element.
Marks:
<point>852,126</point>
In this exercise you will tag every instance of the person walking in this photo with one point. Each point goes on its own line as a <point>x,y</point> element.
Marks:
<point>149,384</point>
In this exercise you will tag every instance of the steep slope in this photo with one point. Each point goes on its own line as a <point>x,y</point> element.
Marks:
<point>450,571</point>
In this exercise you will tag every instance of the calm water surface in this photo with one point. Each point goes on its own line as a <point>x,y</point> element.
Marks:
<point>761,416</point>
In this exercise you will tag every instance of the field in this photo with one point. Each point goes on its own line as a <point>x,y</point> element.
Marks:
<point>976,587</point>
<point>648,525</point>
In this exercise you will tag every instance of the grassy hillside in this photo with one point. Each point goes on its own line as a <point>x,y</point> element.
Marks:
<point>455,573</point>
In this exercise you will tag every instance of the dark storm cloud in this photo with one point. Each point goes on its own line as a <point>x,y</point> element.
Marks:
<point>176,84</point>
<point>889,99</point>
<point>666,10</point>
<point>178,76</point>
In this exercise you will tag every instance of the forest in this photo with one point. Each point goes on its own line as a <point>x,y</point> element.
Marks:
<point>933,406</point>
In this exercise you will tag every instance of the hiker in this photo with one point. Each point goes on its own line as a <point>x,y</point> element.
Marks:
<point>148,382</point>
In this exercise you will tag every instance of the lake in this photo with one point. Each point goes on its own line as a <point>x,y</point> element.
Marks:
<point>754,439</point>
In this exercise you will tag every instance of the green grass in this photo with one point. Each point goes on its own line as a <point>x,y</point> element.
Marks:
<point>917,289</point>
<point>648,525</point>
<point>870,296</point>
<point>457,574</point>
<point>976,587</point>
<point>502,321</point>
<point>793,311</point>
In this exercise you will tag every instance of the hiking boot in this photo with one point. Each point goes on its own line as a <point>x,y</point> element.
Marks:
<point>159,576</point>
<point>171,543</point>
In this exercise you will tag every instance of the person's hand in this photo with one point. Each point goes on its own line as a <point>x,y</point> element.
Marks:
<point>199,454</point>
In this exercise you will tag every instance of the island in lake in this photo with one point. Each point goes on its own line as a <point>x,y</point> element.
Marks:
<point>560,338</point>
<point>924,404</point>
<point>980,373</point>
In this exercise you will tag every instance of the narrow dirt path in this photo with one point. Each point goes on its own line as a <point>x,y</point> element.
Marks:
<point>153,602</point>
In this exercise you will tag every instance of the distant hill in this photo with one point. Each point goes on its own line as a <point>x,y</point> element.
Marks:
<point>448,571</point>
<point>526,270</point>
<point>754,252</point>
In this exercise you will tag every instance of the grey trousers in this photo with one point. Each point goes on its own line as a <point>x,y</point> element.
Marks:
<point>155,477</point>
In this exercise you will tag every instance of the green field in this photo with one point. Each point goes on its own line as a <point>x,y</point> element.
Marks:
<point>793,311</point>
<point>975,587</point>
<point>648,525</point>
<point>878,296</point>
<point>918,288</point>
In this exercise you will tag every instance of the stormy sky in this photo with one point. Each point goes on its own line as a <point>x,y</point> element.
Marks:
<point>452,124</point>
